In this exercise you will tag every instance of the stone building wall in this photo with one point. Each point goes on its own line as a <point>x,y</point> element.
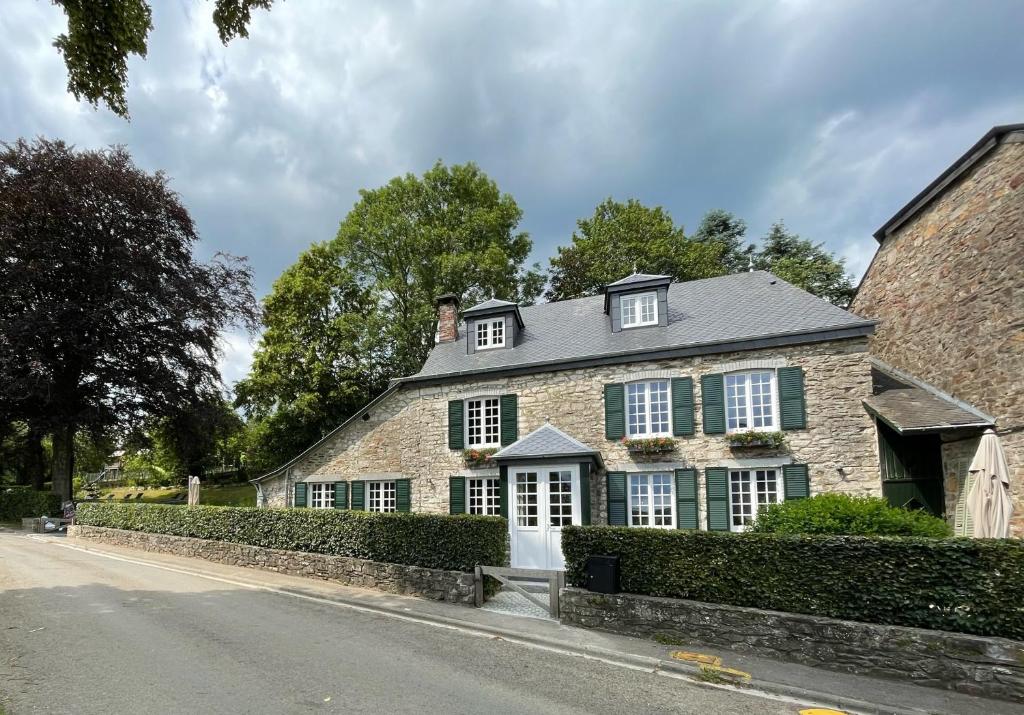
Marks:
<point>948,288</point>
<point>406,434</point>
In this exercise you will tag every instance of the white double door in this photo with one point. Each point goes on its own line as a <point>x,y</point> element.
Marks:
<point>543,500</point>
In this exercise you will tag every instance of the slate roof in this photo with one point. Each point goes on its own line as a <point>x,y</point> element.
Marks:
<point>638,278</point>
<point>911,406</point>
<point>491,304</point>
<point>545,442</point>
<point>705,316</point>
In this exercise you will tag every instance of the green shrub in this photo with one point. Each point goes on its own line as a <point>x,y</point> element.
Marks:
<point>850,515</point>
<point>22,502</point>
<point>440,541</point>
<point>964,585</point>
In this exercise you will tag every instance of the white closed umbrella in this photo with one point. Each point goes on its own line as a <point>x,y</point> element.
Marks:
<point>989,499</point>
<point>193,491</point>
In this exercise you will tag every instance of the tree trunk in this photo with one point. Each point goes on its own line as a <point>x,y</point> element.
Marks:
<point>34,464</point>
<point>63,460</point>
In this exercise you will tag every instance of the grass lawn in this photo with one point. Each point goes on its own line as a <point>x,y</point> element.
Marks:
<point>228,495</point>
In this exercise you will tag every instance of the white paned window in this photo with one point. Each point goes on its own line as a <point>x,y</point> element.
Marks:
<point>526,499</point>
<point>639,309</point>
<point>648,408</point>
<point>321,496</point>
<point>749,491</point>
<point>560,497</point>
<point>750,401</point>
<point>484,497</point>
<point>380,496</point>
<point>650,500</point>
<point>483,422</point>
<point>490,334</point>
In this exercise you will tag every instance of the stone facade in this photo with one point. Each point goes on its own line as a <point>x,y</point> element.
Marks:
<point>406,435</point>
<point>451,586</point>
<point>990,667</point>
<point>948,288</point>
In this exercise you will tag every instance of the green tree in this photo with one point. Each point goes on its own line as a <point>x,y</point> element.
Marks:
<point>101,35</point>
<point>720,226</point>
<point>449,231</point>
<point>316,362</point>
<point>805,264</point>
<point>621,238</point>
<point>105,316</point>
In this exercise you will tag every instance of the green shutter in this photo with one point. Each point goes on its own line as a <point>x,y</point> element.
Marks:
<point>686,499</point>
<point>456,439</point>
<point>341,495</point>
<point>963,519</point>
<point>716,481</point>
<point>585,493</point>
<point>503,492</point>
<point>457,495</point>
<point>509,419</point>
<point>617,498</point>
<point>614,411</point>
<point>300,494</point>
<point>712,398</point>
<point>794,481</point>
<point>682,406</point>
<point>359,496</point>
<point>792,413</point>
<point>403,495</point>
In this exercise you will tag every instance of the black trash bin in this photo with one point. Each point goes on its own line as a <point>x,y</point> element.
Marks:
<point>603,574</point>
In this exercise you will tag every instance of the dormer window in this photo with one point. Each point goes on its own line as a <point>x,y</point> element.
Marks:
<point>490,334</point>
<point>639,309</point>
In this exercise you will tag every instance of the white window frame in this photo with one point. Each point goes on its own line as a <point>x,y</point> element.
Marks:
<point>649,518</point>
<point>483,496</point>
<point>635,301</point>
<point>382,495</point>
<point>647,408</point>
<point>321,495</point>
<point>752,480</point>
<point>748,400</point>
<point>490,334</point>
<point>483,400</point>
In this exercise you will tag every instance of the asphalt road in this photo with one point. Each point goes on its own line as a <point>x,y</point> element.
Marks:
<point>81,633</point>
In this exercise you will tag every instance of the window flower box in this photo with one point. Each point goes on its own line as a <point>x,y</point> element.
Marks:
<point>764,440</point>
<point>649,445</point>
<point>478,458</point>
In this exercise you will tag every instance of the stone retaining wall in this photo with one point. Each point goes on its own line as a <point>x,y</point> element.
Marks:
<point>991,667</point>
<point>451,586</point>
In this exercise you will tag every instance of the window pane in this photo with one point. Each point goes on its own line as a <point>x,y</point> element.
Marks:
<point>498,332</point>
<point>637,393</point>
<point>492,423</point>
<point>526,499</point>
<point>742,507</point>
<point>661,500</point>
<point>761,399</point>
<point>484,497</point>
<point>560,498</point>
<point>736,401</point>
<point>483,422</point>
<point>381,496</point>
<point>648,311</point>
<point>639,500</point>
<point>482,337</point>
<point>628,311</point>
<point>659,407</point>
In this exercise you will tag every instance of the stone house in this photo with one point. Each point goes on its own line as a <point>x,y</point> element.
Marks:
<point>947,288</point>
<point>661,405</point>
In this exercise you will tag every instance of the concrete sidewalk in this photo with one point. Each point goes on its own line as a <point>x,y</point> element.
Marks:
<point>791,681</point>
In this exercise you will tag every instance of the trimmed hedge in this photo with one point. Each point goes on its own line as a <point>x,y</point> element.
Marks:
<point>23,502</point>
<point>962,585</point>
<point>437,541</point>
<point>833,513</point>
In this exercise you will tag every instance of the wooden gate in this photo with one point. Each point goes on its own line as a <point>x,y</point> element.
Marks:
<point>506,576</point>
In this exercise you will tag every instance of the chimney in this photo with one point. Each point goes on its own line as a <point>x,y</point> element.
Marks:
<point>447,318</point>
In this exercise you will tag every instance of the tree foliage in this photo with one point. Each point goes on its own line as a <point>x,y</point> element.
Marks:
<point>622,238</point>
<point>105,316</point>
<point>805,264</point>
<point>101,36</point>
<point>721,227</point>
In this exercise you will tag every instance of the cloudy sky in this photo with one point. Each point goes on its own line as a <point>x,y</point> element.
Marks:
<point>830,115</point>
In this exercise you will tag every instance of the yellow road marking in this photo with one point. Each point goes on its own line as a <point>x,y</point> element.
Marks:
<point>821,711</point>
<point>696,657</point>
<point>729,672</point>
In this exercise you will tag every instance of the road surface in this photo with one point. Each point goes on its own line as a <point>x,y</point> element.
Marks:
<point>82,633</point>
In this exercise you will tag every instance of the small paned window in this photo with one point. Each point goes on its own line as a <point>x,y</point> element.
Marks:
<point>750,401</point>
<point>321,496</point>
<point>749,491</point>
<point>490,334</point>
<point>381,496</point>
<point>639,309</point>
<point>526,499</point>
<point>483,422</point>
<point>648,408</point>
<point>650,500</point>
<point>484,497</point>
<point>560,497</point>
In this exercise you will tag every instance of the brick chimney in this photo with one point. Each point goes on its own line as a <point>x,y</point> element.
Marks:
<point>447,318</point>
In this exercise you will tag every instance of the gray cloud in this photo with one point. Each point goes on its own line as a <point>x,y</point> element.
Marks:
<point>830,115</point>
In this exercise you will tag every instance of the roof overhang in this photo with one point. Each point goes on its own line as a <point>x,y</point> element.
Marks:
<point>495,310</point>
<point>593,456</point>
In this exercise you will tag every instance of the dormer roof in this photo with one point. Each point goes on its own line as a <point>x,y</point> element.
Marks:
<point>640,278</point>
<point>546,442</point>
<point>494,306</point>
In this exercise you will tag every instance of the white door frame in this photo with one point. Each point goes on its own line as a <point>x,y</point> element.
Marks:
<point>544,536</point>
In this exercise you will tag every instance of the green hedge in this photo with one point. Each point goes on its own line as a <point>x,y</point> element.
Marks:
<point>440,541</point>
<point>22,502</point>
<point>964,585</point>
<point>833,513</point>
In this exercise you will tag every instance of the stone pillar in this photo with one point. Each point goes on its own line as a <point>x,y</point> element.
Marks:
<point>447,318</point>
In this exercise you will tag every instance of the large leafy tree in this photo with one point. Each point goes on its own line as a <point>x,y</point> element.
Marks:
<point>449,231</point>
<point>805,264</point>
<point>103,33</point>
<point>105,315</point>
<point>620,238</point>
<point>718,226</point>
<point>316,361</point>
